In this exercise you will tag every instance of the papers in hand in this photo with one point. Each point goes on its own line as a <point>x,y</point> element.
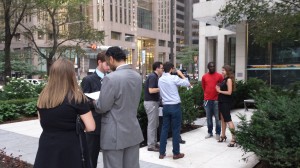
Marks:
<point>94,95</point>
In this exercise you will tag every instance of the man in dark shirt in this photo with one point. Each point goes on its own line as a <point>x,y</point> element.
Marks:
<point>151,104</point>
<point>92,83</point>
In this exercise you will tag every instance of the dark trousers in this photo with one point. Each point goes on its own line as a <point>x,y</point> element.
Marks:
<point>93,142</point>
<point>171,118</point>
<point>159,130</point>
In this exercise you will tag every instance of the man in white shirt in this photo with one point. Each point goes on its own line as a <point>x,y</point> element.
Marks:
<point>168,84</point>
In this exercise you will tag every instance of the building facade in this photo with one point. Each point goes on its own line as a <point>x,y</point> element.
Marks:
<point>141,27</point>
<point>187,28</point>
<point>220,45</point>
<point>275,63</point>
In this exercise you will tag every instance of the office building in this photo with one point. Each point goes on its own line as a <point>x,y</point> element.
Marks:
<point>187,28</point>
<point>141,27</point>
<point>275,63</point>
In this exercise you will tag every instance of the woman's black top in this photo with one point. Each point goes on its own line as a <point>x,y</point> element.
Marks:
<point>223,87</point>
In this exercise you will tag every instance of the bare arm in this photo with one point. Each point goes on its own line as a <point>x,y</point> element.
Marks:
<point>88,121</point>
<point>153,90</point>
<point>180,74</point>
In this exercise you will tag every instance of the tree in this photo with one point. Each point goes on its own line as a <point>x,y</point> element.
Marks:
<point>65,23</point>
<point>268,21</point>
<point>186,57</point>
<point>13,13</point>
<point>18,64</point>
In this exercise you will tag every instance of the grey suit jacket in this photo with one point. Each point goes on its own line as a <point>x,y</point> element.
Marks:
<point>119,99</point>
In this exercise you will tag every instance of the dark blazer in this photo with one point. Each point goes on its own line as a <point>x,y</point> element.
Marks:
<point>118,102</point>
<point>91,83</point>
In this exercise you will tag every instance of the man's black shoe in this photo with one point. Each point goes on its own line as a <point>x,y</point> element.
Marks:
<point>182,141</point>
<point>153,149</point>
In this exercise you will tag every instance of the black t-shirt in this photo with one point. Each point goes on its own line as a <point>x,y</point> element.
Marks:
<point>151,82</point>
<point>63,117</point>
<point>223,87</point>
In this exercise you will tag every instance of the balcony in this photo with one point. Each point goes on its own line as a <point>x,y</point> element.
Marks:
<point>206,11</point>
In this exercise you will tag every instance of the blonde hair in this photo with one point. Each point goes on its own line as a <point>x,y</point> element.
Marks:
<point>62,83</point>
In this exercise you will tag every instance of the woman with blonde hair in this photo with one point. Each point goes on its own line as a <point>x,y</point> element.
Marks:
<point>59,104</point>
<point>225,89</point>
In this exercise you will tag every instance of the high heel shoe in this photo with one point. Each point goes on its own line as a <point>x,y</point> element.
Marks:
<point>222,138</point>
<point>232,143</point>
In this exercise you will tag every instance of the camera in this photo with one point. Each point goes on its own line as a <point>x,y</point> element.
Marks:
<point>174,73</point>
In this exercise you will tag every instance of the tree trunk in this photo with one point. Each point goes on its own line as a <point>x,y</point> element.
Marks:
<point>8,38</point>
<point>49,64</point>
<point>7,59</point>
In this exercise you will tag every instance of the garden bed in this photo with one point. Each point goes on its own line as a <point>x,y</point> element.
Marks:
<point>9,161</point>
<point>19,120</point>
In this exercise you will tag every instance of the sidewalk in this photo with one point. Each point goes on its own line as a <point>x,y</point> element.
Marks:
<point>22,139</point>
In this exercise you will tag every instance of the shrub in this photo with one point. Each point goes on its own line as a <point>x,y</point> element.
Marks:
<point>30,109</point>
<point>191,103</point>
<point>142,116</point>
<point>245,90</point>
<point>2,95</point>
<point>273,133</point>
<point>38,88</point>
<point>189,111</point>
<point>198,97</point>
<point>18,88</point>
<point>13,109</point>
<point>9,112</point>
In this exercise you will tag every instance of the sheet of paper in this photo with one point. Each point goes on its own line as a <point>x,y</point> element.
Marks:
<point>94,95</point>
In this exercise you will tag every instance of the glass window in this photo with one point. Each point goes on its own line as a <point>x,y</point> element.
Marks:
<point>50,36</point>
<point>115,35</point>
<point>129,56</point>
<point>195,41</point>
<point>111,12</point>
<point>257,55</point>
<point>282,67</point>
<point>144,19</point>
<point>161,43</point>
<point>116,13</point>
<point>18,37</point>
<point>179,24</point>
<point>180,8</point>
<point>129,37</point>
<point>287,52</point>
<point>161,57</point>
<point>179,16</point>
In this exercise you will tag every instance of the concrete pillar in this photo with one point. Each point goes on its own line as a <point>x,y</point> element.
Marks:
<point>241,52</point>
<point>220,52</point>
<point>202,50</point>
<point>210,51</point>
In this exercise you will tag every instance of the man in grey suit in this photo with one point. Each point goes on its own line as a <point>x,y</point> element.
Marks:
<point>120,95</point>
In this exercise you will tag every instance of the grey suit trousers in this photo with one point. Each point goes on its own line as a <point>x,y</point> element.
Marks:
<point>152,111</point>
<point>123,158</point>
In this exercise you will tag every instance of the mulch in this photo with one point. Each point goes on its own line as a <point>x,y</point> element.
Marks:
<point>19,120</point>
<point>9,161</point>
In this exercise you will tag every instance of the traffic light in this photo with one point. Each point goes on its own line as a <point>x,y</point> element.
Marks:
<point>94,46</point>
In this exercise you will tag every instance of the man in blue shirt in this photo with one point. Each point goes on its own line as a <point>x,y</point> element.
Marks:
<point>168,84</point>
